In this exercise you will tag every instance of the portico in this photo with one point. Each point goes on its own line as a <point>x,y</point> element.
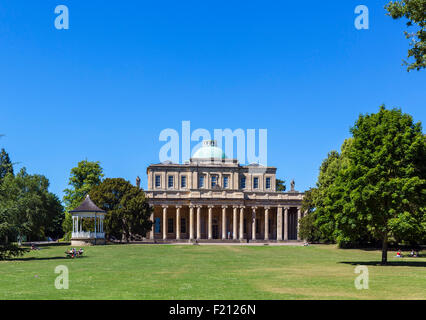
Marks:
<point>206,222</point>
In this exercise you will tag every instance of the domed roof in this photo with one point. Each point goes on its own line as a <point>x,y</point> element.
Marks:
<point>209,150</point>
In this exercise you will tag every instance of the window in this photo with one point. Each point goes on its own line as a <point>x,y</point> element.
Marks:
<point>157,181</point>
<point>170,228</point>
<point>201,182</point>
<point>171,182</point>
<point>243,183</point>
<point>270,225</point>
<point>157,225</point>
<point>257,225</point>
<point>225,182</point>
<point>255,183</point>
<point>245,226</point>
<point>183,225</point>
<point>183,182</point>
<point>268,183</point>
<point>214,181</point>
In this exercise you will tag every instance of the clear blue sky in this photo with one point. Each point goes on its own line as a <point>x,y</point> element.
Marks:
<point>297,68</point>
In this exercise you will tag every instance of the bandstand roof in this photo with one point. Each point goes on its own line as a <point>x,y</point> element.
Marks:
<point>87,206</point>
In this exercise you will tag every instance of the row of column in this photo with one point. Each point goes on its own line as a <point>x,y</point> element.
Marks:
<point>280,235</point>
<point>77,224</point>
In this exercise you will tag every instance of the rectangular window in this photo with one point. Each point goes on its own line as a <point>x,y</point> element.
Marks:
<point>171,181</point>
<point>257,225</point>
<point>183,225</point>
<point>157,181</point>
<point>243,183</point>
<point>170,226</point>
<point>183,182</point>
<point>157,225</point>
<point>214,181</point>
<point>245,226</point>
<point>255,183</point>
<point>201,182</point>
<point>225,182</point>
<point>268,183</point>
<point>270,225</point>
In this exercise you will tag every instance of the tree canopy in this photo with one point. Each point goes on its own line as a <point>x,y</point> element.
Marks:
<point>375,188</point>
<point>415,12</point>
<point>128,211</point>
<point>280,185</point>
<point>28,209</point>
<point>82,179</point>
<point>6,165</point>
<point>86,175</point>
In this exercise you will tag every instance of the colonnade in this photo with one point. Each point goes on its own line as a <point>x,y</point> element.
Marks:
<point>241,217</point>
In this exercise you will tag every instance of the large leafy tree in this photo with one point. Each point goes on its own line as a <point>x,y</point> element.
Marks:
<point>128,211</point>
<point>415,12</point>
<point>82,179</point>
<point>382,188</point>
<point>34,211</point>
<point>27,208</point>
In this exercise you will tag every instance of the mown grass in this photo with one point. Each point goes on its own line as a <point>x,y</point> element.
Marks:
<point>212,272</point>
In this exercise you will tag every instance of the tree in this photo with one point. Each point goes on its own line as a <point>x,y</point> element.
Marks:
<point>415,12</point>
<point>308,230</point>
<point>280,185</point>
<point>128,211</point>
<point>383,186</point>
<point>6,165</point>
<point>32,209</point>
<point>83,178</point>
<point>27,208</point>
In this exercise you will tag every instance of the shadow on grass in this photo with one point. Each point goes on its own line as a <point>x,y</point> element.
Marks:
<point>43,258</point>
<point>405,263</point>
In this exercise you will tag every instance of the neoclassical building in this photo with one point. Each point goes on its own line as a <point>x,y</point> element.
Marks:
<point>212,198</point>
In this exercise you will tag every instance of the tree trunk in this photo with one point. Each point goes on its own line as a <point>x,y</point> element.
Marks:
<point>385,250</point>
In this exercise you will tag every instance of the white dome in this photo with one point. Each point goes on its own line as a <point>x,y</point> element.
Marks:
<point>209,150</point>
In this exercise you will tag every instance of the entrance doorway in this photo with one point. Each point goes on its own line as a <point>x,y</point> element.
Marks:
<point>215,231</point>
<point>292,224</point>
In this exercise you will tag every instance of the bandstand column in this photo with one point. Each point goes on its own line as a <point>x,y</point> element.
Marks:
<point>266,223</point>
<point>253,223</point>
<point>241,223</point>
<point>280,223</point>
<point>178,222</point>
<point>224,222</point>
<point>191,222</point>
<point>198,222</point>
<point>286,223</point>
<point>210,223</point>
<point>80,224</point>
<point>234,223</point>
<point>164,222</point>
<point>299,216</point>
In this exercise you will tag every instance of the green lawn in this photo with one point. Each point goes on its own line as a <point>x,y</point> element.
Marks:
<point>211,272</point>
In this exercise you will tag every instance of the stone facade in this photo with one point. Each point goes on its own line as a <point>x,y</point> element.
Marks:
<point>217,199</point>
